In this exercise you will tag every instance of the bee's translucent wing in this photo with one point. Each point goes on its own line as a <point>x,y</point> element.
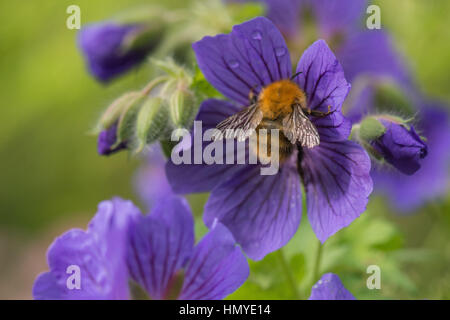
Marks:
<point>299,129</point>
<point>240,125</point>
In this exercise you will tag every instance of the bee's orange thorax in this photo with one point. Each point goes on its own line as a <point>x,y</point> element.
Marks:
<point>277,98</point>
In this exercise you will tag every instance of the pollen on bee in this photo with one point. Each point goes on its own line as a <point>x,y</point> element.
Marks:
<point>277,98</point>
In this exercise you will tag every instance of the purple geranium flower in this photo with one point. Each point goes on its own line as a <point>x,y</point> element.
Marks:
<point>99,253</point>
<point>263,212</point>
<point>330,287</point>
<point>400,146</point>
<point>102,46</point>
<point>339,22</point>
<point>107,141</point>
<point>371,54</point>
<point>120,244</point>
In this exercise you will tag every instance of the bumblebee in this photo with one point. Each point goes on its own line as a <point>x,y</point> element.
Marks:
<point>281,105</point>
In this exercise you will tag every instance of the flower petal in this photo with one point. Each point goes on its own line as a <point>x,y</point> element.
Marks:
<point>160,244</point>
<point>99,253</point>
<point>323,81</point>
<point>189,178</point>
<point>338,15</point>
<point>262,211</point>
<point>106,142</point>
<point>401,147</point>
<point>285,14</point>
<point>330,287</point>
<point>407,193</point>
<point>151,182</point>
<point>253,54</point>
<point>372,52</point>
<point>217,268</point>
<point>101,45</point>
<point>337,183</point>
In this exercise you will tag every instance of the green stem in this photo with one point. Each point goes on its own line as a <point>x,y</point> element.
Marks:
<point>288,273</point>
<point>317,262</point>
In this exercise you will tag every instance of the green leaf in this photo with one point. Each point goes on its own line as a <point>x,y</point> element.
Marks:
<point>202,88</point>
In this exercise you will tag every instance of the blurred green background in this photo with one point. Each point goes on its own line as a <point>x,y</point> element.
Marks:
<point>52,178</point>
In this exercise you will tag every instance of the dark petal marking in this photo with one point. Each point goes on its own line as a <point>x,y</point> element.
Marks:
<point>234,63</point>
<point>262,212</point>
<point>337,182</point>
<point>323,81</point>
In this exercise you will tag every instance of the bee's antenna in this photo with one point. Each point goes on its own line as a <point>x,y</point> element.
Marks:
<point>295,75</point>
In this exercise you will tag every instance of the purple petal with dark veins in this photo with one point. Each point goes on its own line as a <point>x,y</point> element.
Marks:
<point>99,253</point>
<point>217,268</point>
<point>262,211</point>
<point>160,244</point>
<point>254,54</point>
<point>323,81</point>
<point>337,183</point>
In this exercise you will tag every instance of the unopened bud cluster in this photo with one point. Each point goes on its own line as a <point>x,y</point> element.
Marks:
<point>139,118</point>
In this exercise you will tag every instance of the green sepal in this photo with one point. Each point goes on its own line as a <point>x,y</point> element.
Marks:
<point>114,111</point>
<point>182,105</point>
<point>371,129</point>
<point>125,126</point>
<point>151,122</point>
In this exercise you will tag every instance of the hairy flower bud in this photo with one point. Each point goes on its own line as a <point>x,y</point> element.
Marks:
<point>182,107</point>
<point>117,108</point>
<point>115,127</point>
<point>390,138</point>
<point>151,121</point>
<point>111,49</point>
<point>107,141</point>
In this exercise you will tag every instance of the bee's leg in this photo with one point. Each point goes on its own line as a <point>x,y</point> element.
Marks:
<point>316,113</point>
<point>252,96</point>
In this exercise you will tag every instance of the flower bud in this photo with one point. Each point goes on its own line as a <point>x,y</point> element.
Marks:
<point>111,49</point>
<point>107,141</point>
<point>391,139</point>
<point>116,109</point>
<point>151,121</point>
<point>182,108</point>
